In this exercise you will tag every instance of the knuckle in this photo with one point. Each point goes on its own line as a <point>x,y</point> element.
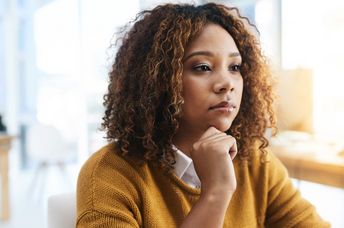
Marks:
<point>232,138</point>
<point>196,145</point>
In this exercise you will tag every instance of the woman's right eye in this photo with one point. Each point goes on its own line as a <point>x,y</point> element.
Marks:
<point>201,68</point>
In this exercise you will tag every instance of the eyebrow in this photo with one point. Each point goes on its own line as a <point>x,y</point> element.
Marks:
<point>208,53</point>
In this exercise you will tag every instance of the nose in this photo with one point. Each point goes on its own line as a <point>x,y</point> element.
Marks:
<point>224,84</point>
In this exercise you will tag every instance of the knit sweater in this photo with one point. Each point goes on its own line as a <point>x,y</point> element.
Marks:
<point>116,191</point>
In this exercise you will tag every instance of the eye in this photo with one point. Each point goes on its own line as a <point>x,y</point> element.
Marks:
<point>235,68</point>
<point>201,68</point>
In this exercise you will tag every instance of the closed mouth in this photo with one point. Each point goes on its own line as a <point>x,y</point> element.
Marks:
<point>223,104</point>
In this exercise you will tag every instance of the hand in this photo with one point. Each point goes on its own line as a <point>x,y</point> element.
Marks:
<point>212,155</point>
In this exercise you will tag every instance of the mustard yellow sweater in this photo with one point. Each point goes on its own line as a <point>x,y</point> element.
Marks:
<point>117,192</point>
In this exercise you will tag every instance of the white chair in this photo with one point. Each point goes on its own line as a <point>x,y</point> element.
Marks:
<point>45,144</point>
<point>47,147</point>
<point>62,210</point>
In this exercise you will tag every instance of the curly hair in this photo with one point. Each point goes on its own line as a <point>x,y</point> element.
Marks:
<point>144,100</point>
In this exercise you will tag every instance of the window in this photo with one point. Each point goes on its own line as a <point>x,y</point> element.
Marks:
<point>312,35</point>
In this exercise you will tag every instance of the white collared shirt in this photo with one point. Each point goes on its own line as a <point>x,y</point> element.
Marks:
<point>185,170</point>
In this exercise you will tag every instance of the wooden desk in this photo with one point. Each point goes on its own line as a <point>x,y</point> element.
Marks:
<point>5,146</point>
<point>322,167</point>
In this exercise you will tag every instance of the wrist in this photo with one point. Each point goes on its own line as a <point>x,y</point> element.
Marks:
<point>216,195</point>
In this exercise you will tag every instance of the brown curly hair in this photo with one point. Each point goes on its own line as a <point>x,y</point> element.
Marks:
<point>143,103</point>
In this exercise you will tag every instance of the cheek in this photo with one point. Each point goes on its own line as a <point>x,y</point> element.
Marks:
<point>192,90</point>
<point>240,87</point>
<point>195,98</point>
<point>190,96</point>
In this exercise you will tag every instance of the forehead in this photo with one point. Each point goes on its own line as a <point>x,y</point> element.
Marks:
<point>212,37</point>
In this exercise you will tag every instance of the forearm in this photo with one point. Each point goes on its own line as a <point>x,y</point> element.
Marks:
<point>209,211</point>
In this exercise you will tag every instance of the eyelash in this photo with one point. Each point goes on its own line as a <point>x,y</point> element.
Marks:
<point>201,68</point>
<point>204,67</point>
<point>235,67</point>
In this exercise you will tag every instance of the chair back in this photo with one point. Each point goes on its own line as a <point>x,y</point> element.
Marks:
<point>46,144</point>
<point>62,210</point>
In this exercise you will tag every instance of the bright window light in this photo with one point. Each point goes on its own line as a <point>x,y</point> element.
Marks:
<point>312,37</point>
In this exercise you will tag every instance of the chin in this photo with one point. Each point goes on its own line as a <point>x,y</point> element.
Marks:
<point>222,126</point>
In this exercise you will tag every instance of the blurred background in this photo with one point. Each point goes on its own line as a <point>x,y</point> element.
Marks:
<point>54,59</point>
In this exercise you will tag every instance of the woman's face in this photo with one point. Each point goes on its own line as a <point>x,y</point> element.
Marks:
<point>212,82</point>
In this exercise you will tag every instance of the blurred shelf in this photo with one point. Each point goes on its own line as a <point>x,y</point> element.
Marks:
<point>5,146</point>
<point>323,165</point>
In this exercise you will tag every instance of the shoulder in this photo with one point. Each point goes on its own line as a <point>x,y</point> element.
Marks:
<point>263,167</point>
<point>105,176</point>
<point>263,159</point>
<point>266,169</point>
<point>105,163</point>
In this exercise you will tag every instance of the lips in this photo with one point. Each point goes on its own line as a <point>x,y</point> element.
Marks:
<point>224,106</point>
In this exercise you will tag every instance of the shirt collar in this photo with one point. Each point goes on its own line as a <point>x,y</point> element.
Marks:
<point>182,162</point>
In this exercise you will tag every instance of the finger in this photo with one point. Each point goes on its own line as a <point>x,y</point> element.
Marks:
<point>233,150</point>
<point>211,131</point>
<point>213,137</point>
<point>221,137</point>
<point>229,140</point>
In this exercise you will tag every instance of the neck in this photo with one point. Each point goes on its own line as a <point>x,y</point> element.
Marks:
<point>184,140</point>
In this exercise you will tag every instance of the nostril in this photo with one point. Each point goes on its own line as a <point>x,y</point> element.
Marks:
<point>223,89</point>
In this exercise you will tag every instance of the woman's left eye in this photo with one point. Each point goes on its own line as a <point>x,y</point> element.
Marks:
<point>235,68</point>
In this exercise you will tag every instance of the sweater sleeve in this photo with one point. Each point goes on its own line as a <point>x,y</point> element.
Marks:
<point>105,196</point>
<point>96,219</point>
<point>286,207</point>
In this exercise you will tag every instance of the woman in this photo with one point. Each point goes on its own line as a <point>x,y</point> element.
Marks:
<point>187,106</point>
